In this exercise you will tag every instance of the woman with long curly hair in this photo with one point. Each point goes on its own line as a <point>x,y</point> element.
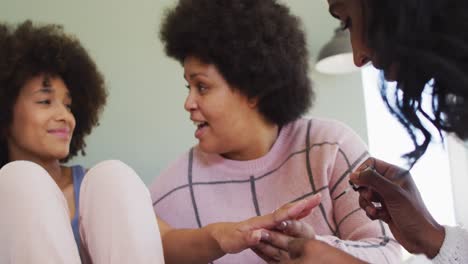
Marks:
<point>422,45</point>
<point>246,67</point>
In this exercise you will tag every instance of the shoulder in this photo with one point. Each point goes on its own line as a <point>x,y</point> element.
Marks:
<point>76,170</point>
<point>180,162</point>
<point>173,175</point>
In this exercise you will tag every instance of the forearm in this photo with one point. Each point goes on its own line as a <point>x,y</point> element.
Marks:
<point>191,246</point>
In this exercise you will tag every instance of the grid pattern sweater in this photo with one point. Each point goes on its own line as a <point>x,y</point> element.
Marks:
<point>308,157</point>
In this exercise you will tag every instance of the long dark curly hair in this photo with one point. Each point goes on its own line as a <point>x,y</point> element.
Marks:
<point>257,45</point>
<point>29,50</point>
<point>427,41</point>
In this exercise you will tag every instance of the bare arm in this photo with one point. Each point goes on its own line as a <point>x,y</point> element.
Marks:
<point>213,241</point>
<point>189,245</point>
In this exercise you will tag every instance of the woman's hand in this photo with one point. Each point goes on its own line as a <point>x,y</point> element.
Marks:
<point>235,237</point>
<point>274,247</point>
<point>389,193</point>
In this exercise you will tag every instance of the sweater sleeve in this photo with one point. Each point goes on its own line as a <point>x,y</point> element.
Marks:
<point>454,249</point>
<point>355,233</point>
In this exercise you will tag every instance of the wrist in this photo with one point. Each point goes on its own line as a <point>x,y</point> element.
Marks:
<point>434,241</point>
<point>215,232</point>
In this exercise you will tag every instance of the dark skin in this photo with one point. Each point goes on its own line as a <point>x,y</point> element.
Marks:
<point>402,206</point>
<point>315,251</point>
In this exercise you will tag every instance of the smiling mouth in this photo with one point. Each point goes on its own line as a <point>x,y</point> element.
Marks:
<point>61,133</point>
<point>200,125</point>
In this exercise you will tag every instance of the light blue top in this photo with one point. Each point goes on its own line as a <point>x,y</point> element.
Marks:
<point>78,173</point>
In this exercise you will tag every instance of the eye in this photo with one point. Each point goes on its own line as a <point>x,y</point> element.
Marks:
<point>187,86</point>
<point>346,24</point>
<point>69,107</point>
<point>201,88</point>
<point>44,102</point>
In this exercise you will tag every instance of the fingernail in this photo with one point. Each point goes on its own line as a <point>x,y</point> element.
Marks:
<point>283,225</point>
<point>354,186</point>
<point>257,235</point>
<point>265,236</point>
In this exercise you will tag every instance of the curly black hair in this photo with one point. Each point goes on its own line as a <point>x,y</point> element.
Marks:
<point>428,42</point>
<point>27,51</point>
<point>257,45</point>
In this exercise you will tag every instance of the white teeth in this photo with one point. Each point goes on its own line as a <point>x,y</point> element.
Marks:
<point>198,123</point>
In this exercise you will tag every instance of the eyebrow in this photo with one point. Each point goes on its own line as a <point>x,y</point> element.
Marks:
<point>47,90</point>
<point>193,75</point>
<point>50,90</point>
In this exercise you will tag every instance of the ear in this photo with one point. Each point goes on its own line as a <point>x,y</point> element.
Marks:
<point>252,102</point>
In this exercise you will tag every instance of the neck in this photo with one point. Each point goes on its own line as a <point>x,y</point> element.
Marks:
<point>258,143</point>
<point>55,171</point>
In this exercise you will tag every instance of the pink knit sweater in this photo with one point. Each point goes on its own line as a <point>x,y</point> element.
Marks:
<point>309,156</point>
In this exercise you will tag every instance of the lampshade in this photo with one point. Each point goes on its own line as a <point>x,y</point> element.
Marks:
<point>336,57</point>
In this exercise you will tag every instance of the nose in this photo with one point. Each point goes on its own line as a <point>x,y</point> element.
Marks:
<point>360,58</point>
<point>64,114</point>
<point>190,102</point>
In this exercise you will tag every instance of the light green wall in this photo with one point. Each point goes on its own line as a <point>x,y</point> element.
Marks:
<point>144,123</point>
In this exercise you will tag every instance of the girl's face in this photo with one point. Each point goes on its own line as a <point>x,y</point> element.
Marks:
<point>222,115</point>
<point>351,15</point>
<point>42,125</point>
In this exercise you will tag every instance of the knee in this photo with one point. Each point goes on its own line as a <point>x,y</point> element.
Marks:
<point>20,180</point>
<point>21,167</point>
<point>112,174</point>
<point>22,173</point>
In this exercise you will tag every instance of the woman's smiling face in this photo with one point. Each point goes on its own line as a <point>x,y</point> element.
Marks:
<point>42,125</point>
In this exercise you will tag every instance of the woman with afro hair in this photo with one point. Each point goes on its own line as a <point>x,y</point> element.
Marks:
<point>51,95</point>
<point>246,67</point>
